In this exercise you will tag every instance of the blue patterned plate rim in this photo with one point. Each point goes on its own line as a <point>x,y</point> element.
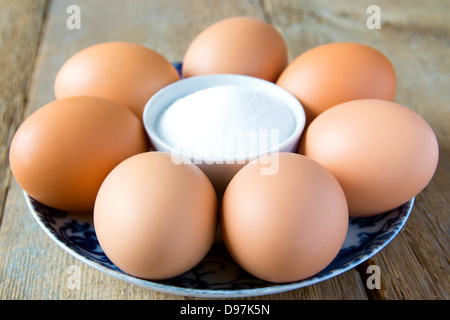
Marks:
<point>366,237</point>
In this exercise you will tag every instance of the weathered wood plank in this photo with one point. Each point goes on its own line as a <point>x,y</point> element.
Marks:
<point>20,28</point>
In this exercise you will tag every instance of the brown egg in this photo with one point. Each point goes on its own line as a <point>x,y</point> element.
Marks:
<point>381,152</point>
<point>285,226</point>
<point>333,73</point>
<point>127,73</point>
<point>61,154</point>
<point>155,219</point>
<point>237,45</point>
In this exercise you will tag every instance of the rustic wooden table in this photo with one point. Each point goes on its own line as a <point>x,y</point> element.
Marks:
<point>35,40</point>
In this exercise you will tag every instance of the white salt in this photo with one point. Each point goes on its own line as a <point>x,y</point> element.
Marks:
<point>225,122</point>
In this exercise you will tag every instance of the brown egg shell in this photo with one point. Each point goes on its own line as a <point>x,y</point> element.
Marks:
<point>156,219</point>
<point>61,154</point>
<point>285,226</point>
<point>125,72</point>
<point>381,152</point>
<point>332,73</point>
<point>237,45</point>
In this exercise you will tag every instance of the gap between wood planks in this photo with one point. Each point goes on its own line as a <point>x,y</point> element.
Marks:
<point>267,11</point>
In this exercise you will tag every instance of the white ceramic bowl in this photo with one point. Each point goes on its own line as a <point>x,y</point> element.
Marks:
<point>220,171</point>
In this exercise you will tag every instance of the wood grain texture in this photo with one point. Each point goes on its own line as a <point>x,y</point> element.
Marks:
<point>20,29</point>
<point>415,265</point>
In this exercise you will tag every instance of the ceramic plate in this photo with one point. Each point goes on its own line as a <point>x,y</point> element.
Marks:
<point>217,275</point>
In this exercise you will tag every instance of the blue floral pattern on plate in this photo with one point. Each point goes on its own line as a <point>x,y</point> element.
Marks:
<point>217,275</point>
